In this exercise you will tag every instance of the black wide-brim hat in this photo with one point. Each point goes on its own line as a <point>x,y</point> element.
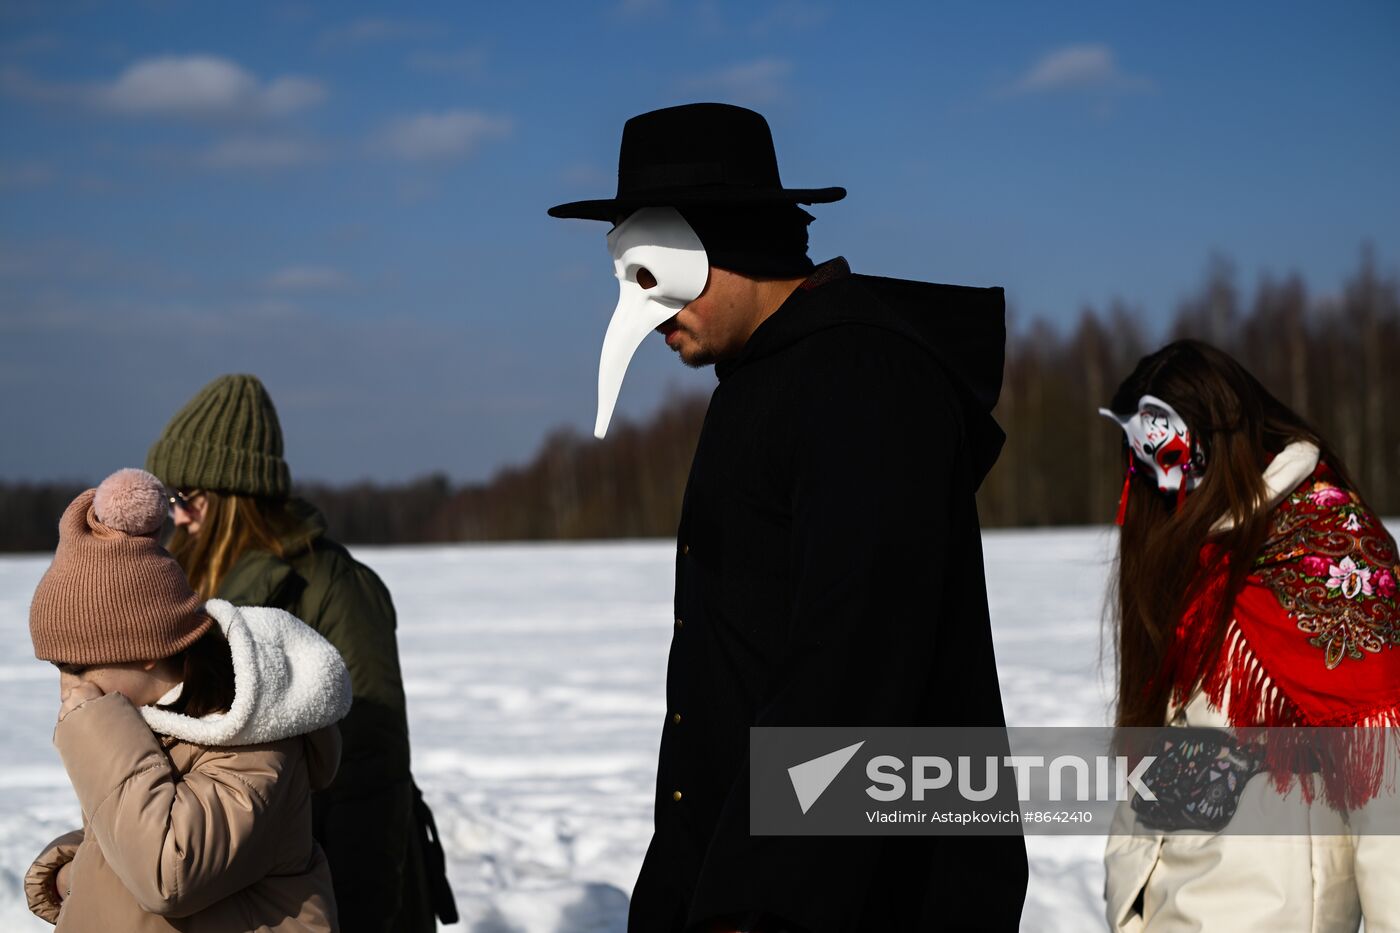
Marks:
<point>696,155</point>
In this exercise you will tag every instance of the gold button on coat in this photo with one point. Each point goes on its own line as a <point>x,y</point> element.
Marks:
<point>675,795</point>
<point>676,718</point>
<point>680,623</point>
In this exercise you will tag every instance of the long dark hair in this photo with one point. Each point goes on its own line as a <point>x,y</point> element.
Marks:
<point>208,676</point>
<point>1237,425</point>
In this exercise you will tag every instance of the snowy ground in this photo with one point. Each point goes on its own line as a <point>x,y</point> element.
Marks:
<point>535,683</point>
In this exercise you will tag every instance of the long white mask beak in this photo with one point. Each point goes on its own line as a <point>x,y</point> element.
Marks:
<point>658,240</point>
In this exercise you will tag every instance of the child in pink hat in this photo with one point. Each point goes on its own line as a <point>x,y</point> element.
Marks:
<point>193,735</point>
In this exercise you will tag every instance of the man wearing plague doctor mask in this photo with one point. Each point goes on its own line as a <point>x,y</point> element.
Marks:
<point>828,560</point>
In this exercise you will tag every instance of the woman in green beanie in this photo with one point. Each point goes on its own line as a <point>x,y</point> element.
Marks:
<point>240,536</point>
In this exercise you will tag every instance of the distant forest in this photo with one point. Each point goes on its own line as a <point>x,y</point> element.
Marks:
<point>1334,358</point>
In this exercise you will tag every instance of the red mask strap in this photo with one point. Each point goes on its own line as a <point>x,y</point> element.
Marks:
<point>1127,487</point>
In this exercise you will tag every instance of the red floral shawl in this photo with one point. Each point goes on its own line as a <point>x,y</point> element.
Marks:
<point>1315,634</point>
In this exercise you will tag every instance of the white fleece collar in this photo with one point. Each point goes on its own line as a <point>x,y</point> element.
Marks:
<point>288,681</point>
<point>1293,464</point>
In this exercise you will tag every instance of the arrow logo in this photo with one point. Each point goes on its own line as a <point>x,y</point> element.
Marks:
<point>811,778</point>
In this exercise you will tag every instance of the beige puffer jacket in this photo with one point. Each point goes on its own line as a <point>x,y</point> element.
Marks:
<point>206,826</point>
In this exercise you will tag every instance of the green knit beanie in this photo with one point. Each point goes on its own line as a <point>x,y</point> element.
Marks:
<point>226,439</point>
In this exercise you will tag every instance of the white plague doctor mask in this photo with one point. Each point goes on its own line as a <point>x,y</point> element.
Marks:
<point>1160,439</point>
<point>658,240</point>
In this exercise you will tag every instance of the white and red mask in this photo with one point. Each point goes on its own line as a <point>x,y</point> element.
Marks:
<point>657,244</point>
<point>1160,439</point>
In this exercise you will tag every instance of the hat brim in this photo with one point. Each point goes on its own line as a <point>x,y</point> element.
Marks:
<point>610,209</point>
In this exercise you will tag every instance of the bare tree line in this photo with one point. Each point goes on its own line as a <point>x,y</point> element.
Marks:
<point>1332,358</point>
<point>1336,359</point>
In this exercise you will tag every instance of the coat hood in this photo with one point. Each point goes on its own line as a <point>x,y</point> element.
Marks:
<point>961,327</point>
<point>288,681</point>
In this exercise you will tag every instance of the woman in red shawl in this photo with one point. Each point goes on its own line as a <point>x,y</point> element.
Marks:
<point>1255,588</point>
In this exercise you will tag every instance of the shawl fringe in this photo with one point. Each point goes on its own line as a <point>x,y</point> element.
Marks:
<point>1352,757</point>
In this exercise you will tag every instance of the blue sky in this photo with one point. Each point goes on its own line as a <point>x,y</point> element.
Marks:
<point>348,199</point>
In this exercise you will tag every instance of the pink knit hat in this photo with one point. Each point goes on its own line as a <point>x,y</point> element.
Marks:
<point>113,594</point>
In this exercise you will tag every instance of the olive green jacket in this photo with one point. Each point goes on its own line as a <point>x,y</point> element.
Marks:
<point>364,820</point>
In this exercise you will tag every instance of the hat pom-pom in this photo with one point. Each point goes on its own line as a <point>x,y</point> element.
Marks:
<point>132,501</point>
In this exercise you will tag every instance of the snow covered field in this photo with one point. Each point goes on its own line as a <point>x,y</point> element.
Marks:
<point>535,678</point>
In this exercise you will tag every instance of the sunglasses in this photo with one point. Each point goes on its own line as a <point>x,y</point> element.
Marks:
<point>181,501</point>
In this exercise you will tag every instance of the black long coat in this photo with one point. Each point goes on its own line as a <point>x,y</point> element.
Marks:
<point>829,572</point>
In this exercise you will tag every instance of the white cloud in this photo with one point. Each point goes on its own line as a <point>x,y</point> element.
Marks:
<point>759,82</point>
<point>290,94</point>
<point>307,278</point>
<point>203,86</point>
<point>445,135</point>
<point>260,152</point>
<point>1088,66</point>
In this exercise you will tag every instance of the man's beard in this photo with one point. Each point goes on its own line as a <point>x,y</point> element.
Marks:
<point>698,358</point>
